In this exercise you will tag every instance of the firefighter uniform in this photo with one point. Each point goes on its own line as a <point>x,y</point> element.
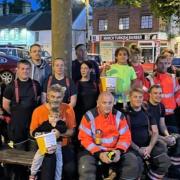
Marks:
<point>99,134</point>
<point>173,143</point>
<point>170,95</point>
<point>140,123</point>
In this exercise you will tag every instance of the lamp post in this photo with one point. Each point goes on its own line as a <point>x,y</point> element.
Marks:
<point>86,2</point>
<point>87,22</point>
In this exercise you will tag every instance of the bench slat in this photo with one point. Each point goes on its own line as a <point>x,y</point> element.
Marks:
<point>14,156</point>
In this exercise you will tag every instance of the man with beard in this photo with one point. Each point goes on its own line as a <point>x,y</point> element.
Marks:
<point>40,114</point>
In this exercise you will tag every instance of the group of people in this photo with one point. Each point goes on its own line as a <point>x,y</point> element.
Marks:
<point>115,134</point>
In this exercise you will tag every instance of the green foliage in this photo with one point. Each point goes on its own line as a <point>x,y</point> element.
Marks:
<point>135,3</point>
<point>161,8</point>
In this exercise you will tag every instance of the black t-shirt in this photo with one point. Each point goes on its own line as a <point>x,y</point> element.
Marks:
<point>140,123</point>
<point>87,96</point>
<point>70,89</point>
<point>46,127</point>
<point>76,74</point>
<point>21,111</point>
<point>157,111</point>
<point>26,93</point>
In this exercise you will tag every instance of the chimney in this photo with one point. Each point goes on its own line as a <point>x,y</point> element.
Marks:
<point>26,8</point>
<point>1,9</point>
<point>6,9</point>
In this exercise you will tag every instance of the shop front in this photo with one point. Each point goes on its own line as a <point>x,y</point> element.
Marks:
<point>150,44</point>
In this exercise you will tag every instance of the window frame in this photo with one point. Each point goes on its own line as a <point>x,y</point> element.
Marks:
<point>102,25</point>
<point>146,22</point>
<point>125,25</point>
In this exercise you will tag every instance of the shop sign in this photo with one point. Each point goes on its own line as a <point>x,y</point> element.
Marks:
<point>121,37</point>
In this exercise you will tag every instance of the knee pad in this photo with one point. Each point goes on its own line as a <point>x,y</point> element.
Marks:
<point>162,162</point>
<point>87,166</point>
<point>129,170</point>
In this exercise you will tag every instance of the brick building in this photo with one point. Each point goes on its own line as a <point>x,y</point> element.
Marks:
<point>116,26</point>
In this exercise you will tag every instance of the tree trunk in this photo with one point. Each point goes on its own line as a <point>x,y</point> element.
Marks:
<point>62,32</point>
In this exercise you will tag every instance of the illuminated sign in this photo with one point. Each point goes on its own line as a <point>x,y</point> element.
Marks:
<point>123,37</point>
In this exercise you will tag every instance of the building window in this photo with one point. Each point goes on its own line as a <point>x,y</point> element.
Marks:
<point>146,22</point>
<point>124,23</point>
<point>103,25</point>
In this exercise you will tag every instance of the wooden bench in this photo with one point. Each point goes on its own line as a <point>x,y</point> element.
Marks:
<point>14,156</point>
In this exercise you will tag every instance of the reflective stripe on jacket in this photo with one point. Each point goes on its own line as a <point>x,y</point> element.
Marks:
<point>114,128</point>
<point>169,86</point>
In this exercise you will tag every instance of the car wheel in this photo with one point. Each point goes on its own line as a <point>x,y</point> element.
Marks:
<point>7,76</point>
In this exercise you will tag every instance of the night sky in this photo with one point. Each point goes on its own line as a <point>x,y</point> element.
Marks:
<point>34,3</point>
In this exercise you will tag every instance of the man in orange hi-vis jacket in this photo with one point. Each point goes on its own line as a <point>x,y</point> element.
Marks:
<point>105,136</point>
<point>170,91</point>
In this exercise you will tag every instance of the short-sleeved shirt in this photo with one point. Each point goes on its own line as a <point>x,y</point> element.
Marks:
<point>124,74</point>
<point>41,113</point>
<point>26,93</point>
<point>76,73</point>
<point>139,123</point>
<point>87,96</point>
<point>70,87</point>
<point>158,112</point>
<point>21,111</point>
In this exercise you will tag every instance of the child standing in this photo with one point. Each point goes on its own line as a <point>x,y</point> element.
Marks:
<point>125,75</point>
<point>135,62</point>
<point>53,124</point>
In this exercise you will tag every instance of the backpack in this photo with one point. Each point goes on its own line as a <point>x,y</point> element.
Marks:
<point>67,84</point>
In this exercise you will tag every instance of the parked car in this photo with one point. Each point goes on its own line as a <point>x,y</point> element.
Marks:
<point>8,66</point>
<point>176,62</point>
<point>95,57</point>
<point>18,52</point>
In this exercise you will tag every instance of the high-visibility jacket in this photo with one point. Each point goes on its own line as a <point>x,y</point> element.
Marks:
<point>114,128</point>
<point>170,89</point>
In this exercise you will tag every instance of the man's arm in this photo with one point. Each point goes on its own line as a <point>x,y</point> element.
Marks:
<point>34,121</point>
<point>73,100</point>
<point>163,128</point>
<point>86,139</point>
<point>6,105</point>
<point>154,136</point>
<point>125,136</point>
